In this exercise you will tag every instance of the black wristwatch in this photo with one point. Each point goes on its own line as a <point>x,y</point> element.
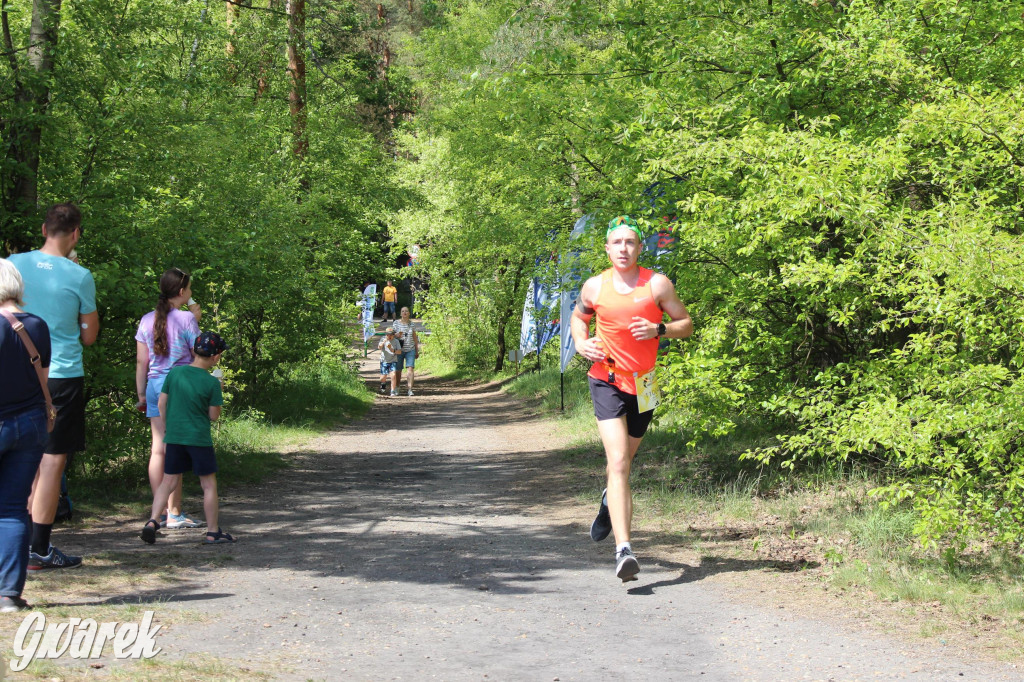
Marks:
<point>661,329</point>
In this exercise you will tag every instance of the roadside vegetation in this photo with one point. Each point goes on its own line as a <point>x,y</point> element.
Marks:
<point>818,524</point>
<point>301,402</point>
<point>839,188</point>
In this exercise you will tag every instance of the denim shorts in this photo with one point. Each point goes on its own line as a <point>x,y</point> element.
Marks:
<point>387,367</point>
<point>407,359</point>
<point>153,387</point>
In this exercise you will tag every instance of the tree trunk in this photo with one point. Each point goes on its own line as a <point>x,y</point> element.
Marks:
<point>230,19</point>
<point>297,72</point>
<point>32,94</point>
<point>506,315</point>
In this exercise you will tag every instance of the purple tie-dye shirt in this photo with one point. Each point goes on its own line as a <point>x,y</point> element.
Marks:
<point>182,331</point>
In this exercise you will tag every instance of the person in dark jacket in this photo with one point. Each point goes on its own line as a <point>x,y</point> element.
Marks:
<point>23,433</point>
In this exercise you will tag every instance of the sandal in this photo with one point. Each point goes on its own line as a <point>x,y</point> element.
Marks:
<point>218,538</point>
<point>148,533</point>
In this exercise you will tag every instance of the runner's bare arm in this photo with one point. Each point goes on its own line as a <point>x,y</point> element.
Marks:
<point>680,325</point>
<point>587,346</point>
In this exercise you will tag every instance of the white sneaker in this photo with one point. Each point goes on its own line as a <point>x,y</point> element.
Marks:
<point>626,565</point>
<point>410,392</point>
<point>394,392</point>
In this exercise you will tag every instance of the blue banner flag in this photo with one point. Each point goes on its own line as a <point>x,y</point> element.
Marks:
<point>570,281</point>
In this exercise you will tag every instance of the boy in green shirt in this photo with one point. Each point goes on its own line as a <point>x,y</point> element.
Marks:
<point>190,399</point>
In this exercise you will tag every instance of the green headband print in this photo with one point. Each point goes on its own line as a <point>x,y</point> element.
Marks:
<point>623,221</point>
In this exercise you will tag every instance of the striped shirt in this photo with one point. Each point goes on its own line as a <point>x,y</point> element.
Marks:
<point>405,328</point>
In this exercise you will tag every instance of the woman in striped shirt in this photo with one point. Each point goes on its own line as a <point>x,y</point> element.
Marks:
<point>410,347</point>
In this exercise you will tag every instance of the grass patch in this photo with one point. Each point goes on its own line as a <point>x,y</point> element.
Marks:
<point>300,402</point>
<point>819,519</point>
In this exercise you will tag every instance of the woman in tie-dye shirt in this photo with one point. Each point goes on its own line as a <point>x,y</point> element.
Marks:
<point>164,340</point>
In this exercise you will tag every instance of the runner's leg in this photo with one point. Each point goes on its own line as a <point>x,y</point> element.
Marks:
<point>619,448</point>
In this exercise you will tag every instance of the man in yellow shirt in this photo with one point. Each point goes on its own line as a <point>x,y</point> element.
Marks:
<point>390,299</point>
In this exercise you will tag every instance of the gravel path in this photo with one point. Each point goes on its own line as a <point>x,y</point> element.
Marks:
<point>436,540</point>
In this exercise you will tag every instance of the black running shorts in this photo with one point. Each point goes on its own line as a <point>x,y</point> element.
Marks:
<point>611,403</point>
<point>68,435</point>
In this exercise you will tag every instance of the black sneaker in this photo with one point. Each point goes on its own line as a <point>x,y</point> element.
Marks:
<point>626,565</point>
<point>602,525</point>
<point>54,559</point>
<point>13,605</point>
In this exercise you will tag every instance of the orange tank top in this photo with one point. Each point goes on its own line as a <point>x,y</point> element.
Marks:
<point>615,313</point>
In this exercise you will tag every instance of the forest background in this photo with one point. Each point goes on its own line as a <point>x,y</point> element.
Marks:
<point>843,179</point>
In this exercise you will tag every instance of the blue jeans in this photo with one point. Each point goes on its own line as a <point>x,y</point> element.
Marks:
<point>22,438</point>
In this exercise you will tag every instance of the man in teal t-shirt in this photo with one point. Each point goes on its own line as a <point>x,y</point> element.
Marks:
<point>62,293</point>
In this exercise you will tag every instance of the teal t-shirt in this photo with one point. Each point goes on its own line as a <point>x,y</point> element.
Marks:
<point>58,290</point>
<point>191,392</point>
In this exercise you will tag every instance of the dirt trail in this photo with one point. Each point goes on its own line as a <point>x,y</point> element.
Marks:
<point>437,539</point>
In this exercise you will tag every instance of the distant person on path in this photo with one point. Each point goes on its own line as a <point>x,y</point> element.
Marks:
<point>63,293</point>
<point>410,348</point>
<point>390,296</point>
<point>164,340</point>
<point>630,303</point>
<point>190,399</point>
<point>22,431</point>
<point>390,349</point>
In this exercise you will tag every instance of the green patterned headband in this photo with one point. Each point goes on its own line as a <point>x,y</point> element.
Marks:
<point>623,221</point>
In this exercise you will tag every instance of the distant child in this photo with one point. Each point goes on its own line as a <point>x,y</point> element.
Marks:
<point>389,350</point>
<point>190,399</point>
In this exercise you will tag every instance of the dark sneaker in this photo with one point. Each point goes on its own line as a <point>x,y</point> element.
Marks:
<point>54,559</point>
<point>626,565</point>
<point>13,605</point>
<point>602,525</point>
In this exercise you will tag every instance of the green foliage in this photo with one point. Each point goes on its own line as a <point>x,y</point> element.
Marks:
<point>846,187</point>
<point>180,153</point>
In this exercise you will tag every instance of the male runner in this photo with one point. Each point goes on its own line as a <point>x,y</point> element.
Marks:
<point>63,293</point>
<point>630,303</point>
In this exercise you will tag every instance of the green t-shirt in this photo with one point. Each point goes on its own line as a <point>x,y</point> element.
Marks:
<point>191,392</point>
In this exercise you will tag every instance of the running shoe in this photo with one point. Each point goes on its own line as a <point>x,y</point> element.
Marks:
<point>53,559</point>
<point>602,524</point>
<point>410,391</point>
<point>13,605</point>
<point>175,521</point>
<point>626,565</point>
<point>394,392</point>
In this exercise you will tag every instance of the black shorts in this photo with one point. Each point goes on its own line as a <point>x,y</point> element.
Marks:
<point>611,403</point>
<point>68,435</point>
<point>181,458</point>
